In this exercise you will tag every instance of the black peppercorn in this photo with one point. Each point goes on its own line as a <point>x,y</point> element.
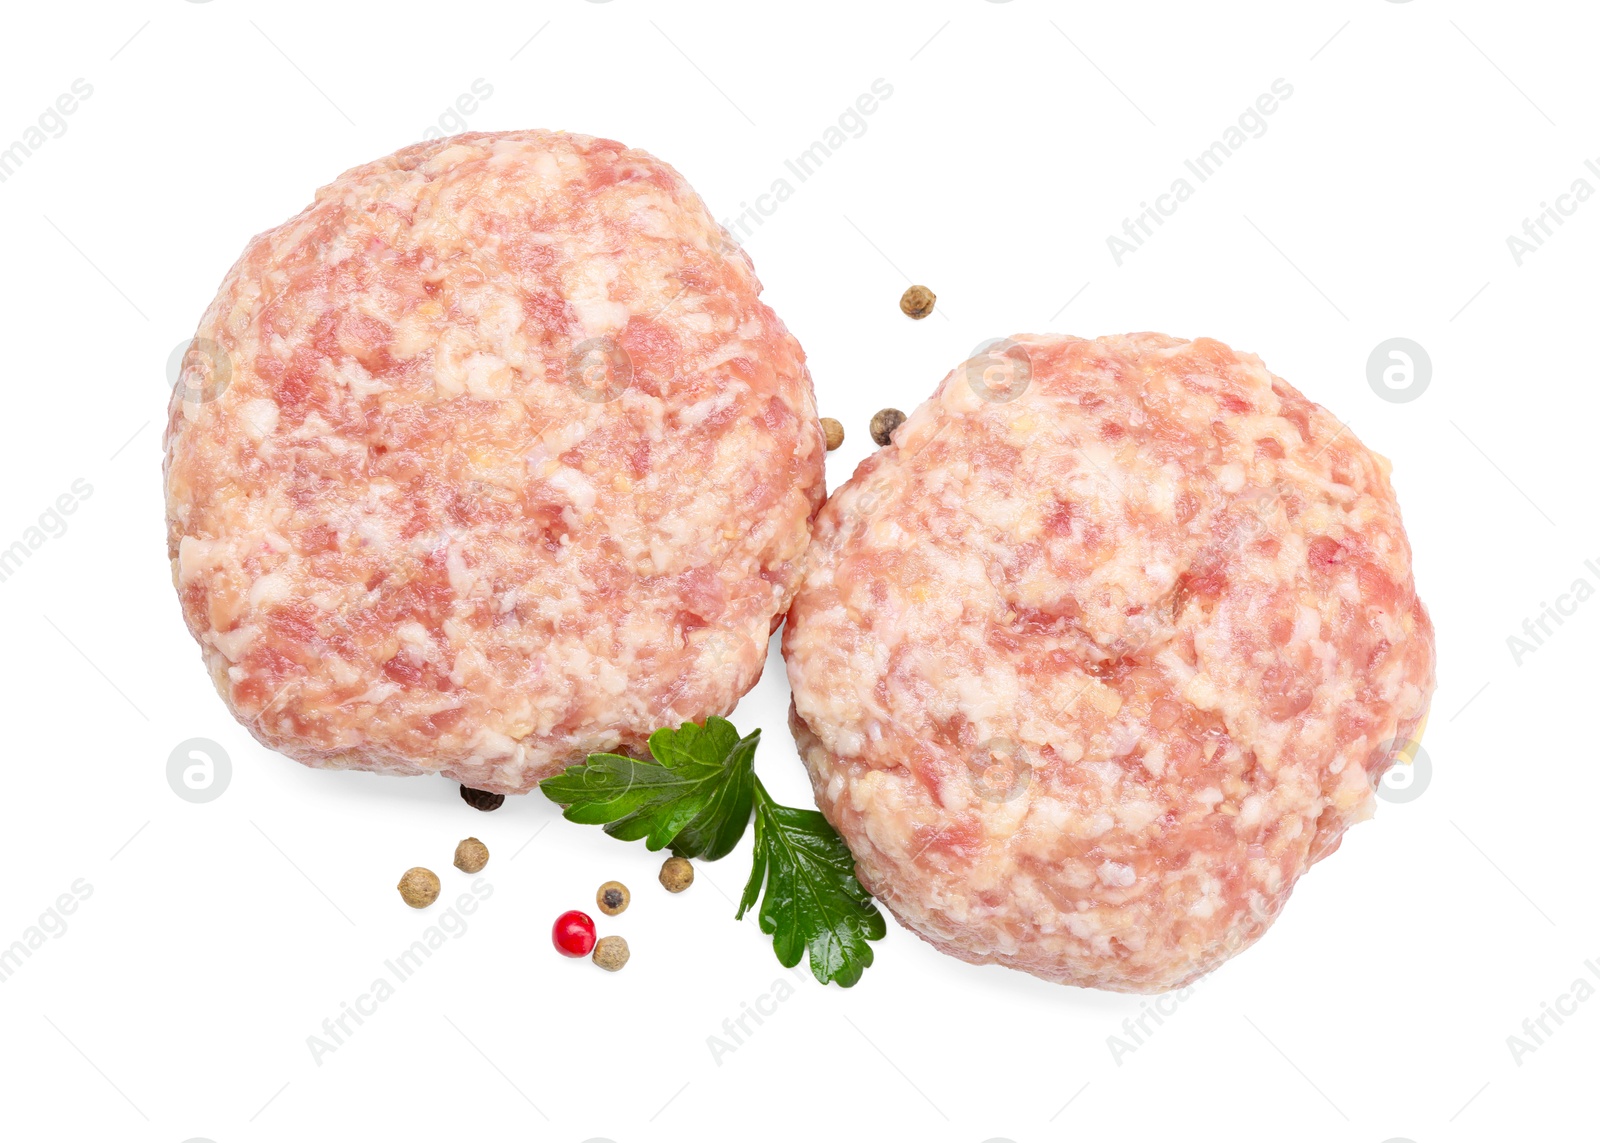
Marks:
<point>612,898</point>
<point>482,799</point>
<point>884,423</point>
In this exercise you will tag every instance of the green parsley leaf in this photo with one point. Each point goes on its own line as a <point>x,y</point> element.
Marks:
<point>813,901</point>
<point>697,796</point>
<point>694,797</point>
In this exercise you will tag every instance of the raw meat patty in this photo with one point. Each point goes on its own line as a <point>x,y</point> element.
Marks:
<point>1107,647</point>
<point>509,464</point>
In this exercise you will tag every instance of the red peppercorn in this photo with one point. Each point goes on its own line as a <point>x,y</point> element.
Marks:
<point>573,933</point>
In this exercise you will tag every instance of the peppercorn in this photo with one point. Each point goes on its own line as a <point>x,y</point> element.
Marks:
<point>832,433</point>
<point>573,933</point>
<point>885,422</point>
<point>471,855</point>
<point>419,887</point>
<point>612,897</point>
<point>917,302</point>
<point>611,953</point>
<point>482,799</point>
<point>676,874</point>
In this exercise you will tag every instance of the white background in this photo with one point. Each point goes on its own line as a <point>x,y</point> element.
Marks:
<point>217,938</point>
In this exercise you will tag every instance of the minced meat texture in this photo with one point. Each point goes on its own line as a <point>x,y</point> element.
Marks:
<point>512,464</point>
<point>1088,670</point>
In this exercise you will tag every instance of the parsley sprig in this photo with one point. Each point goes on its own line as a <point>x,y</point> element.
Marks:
<point>697,796</point>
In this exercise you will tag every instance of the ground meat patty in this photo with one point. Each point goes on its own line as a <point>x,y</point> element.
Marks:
<point>489,458</point>
<point>1102,653</point>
